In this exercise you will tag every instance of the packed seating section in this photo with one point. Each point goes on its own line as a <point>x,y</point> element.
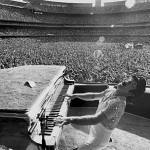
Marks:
<point>76,52</point>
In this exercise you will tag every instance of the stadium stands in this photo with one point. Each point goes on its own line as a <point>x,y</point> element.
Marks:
<point>75,8</point>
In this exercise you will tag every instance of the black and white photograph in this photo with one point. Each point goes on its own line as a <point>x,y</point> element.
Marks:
<point>74,74</point>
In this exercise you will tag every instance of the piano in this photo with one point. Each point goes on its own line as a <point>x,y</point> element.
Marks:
<point>44,131</point>
<point>38,105</point>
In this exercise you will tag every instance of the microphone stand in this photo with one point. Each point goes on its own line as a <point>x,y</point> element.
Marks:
<point>42,123</point>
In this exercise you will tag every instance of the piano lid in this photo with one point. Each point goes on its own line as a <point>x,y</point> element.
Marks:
<point>18,98</point>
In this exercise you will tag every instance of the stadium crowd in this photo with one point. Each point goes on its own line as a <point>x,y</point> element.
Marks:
<point>116,63</point>
<point>76,52</point>
<point>76,31</point>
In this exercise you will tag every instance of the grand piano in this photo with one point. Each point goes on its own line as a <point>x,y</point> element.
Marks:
<point>31,98</point>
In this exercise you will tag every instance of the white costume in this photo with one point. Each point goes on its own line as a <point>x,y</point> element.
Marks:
<point>99,134</point>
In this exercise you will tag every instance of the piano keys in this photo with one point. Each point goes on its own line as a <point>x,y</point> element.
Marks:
<point>51,131</point>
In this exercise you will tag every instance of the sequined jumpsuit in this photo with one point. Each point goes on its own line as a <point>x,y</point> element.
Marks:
<point>113,107</point>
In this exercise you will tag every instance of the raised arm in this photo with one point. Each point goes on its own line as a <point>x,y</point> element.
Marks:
<point>89,96</point>
<point>82,120</point>
<point>114,109</point>
<point>87,120</point>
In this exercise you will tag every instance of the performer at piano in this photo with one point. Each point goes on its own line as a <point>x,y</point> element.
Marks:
<point>112,103</point>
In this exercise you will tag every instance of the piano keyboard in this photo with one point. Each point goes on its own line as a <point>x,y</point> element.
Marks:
<point>55,112</point>
<point>51,131</point>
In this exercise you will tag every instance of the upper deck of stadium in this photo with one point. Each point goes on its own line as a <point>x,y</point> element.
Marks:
<point>77,7</point>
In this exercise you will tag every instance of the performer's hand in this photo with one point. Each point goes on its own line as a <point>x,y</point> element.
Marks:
<point>70,96</point>
<point>67,99</point>
<point>60,121</point>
